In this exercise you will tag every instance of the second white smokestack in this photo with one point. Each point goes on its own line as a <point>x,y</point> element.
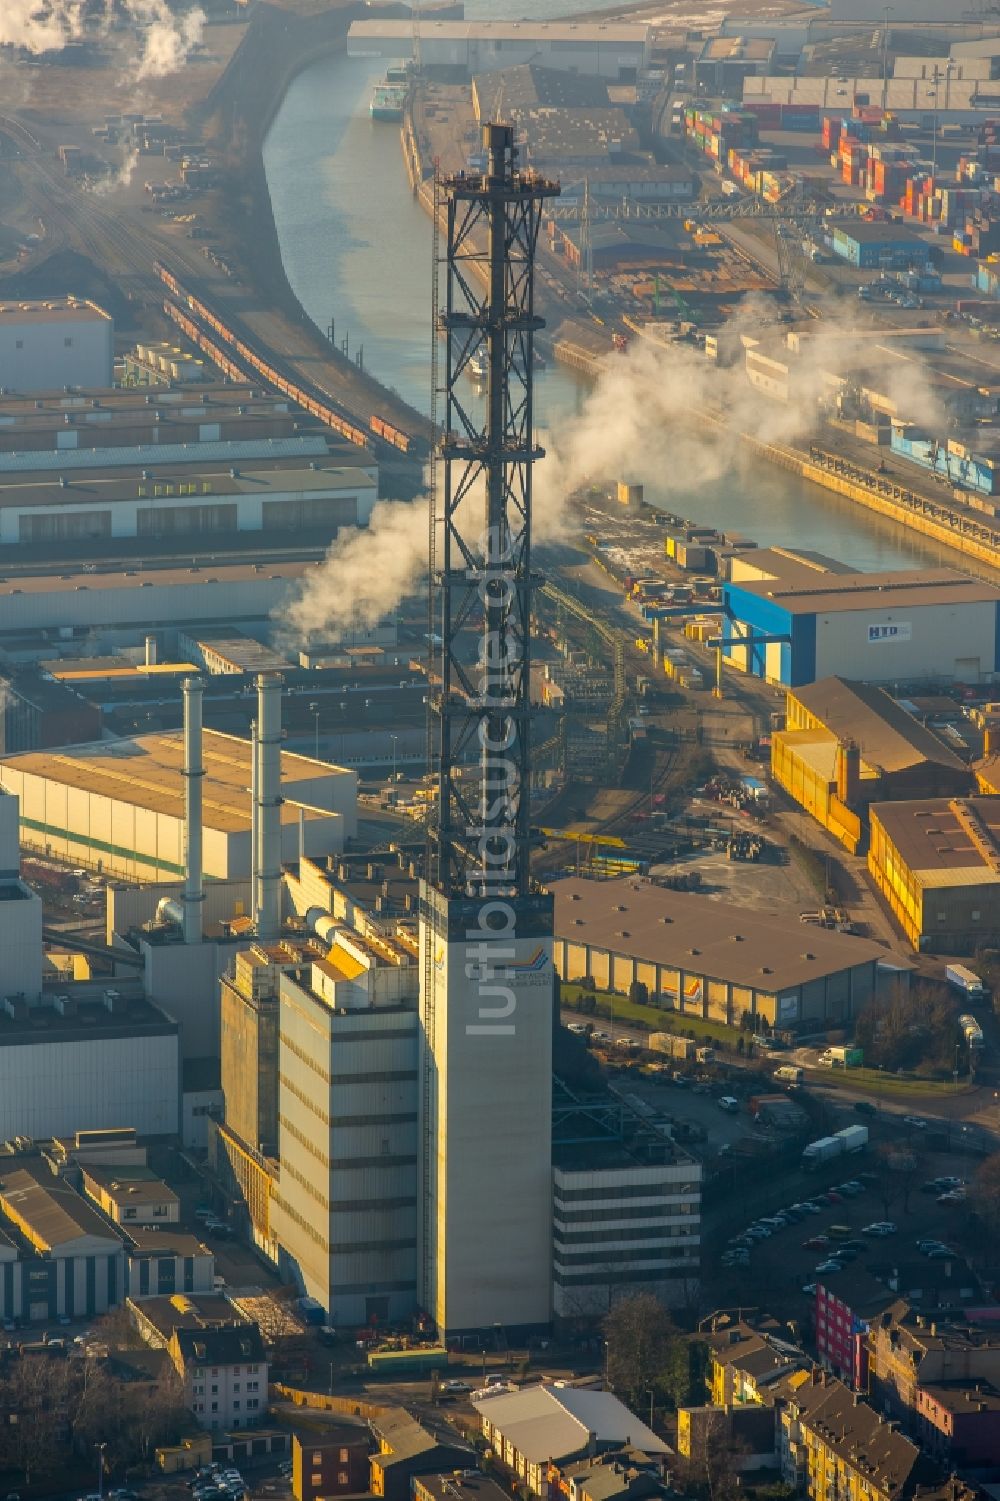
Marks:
<point>194,772</point>
<point>269,807</point>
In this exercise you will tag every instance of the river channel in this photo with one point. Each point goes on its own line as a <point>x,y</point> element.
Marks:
<point>356,248</point>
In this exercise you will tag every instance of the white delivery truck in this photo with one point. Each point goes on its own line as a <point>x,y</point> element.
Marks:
<point>966,981</point>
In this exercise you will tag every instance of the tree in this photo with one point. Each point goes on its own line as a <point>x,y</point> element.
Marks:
<point>986,1193</point>
<point>639,1333</point>
<point>34,1394</point>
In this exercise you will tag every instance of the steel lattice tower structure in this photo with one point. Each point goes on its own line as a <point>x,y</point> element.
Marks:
<point>492,226</point>
<point>484,1235</point>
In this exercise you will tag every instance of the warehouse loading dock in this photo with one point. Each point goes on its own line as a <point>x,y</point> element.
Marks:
<point>846,745</point>
<point>937,864</point>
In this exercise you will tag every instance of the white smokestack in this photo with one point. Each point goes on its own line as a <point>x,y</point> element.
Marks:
<point>151,657</point>
<point>269,807</point>
<point>194,771</point>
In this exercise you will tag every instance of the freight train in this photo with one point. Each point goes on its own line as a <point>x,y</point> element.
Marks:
<point>321,406</point>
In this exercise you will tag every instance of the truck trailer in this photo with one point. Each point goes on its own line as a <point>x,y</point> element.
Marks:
<point>684,1048</point>
<point>855,1138</point>
<point>966,981</point>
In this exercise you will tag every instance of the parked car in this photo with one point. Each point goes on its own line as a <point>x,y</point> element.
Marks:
<point>917,1122</point>
<point>880,1227</point>
<point>829,1266</point>
<point>815,1242</point>
<point>729,1102</point>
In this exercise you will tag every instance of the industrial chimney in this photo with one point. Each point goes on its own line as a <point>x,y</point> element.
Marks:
<point>268,913</point>
<point>254,816</point>
<point>194,771</point>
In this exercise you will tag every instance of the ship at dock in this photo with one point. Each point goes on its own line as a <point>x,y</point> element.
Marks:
<point>388,99</point>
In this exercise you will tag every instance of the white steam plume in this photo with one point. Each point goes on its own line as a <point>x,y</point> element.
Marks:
<point>647,418</point>
<point>119,179</point>
<point>166,39</point>
<point>365,574</point>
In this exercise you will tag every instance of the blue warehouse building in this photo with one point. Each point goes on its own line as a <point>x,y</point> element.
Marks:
<point>926,626</point>
<point>872,247</point>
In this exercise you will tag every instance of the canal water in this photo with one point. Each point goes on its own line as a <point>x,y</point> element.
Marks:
<point>357,252</point>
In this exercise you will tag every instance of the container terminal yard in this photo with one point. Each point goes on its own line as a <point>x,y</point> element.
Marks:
<point>250,745</point>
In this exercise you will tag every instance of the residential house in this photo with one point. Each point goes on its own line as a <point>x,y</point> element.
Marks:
<point>745,1358</point>
<point>331,1462</point>
<point>834,1447</point>
<point>224,1371</point>
<point>959,1422</point>
<point>406,1449</point>
<point>845,1307</point>
<point>542,1426</point>
<point>908,1350</point>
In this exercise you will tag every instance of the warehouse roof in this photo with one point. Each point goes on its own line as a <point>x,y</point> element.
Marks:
<point>146,772</point>
<point>543,1422</point>
<point>151,578</point>
<point>49,1214</point>
<point>196,1311</point>
<point>191,482</point>
<point>587,34</point>
<point>163,1240</point>
<point>865,233</point>
<point>736,49</point>
<point>68,310</point>
<point>529,86</point>
<point>873,591</point>
<point>945,841</point>
<point>240,652</point>
<point>888,737</point>
<point>80,399</point>
<point>703,936</point>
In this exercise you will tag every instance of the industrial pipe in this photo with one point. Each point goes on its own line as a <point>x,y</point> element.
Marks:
<point>269,807</point>
<point>194,773</point>
<point>254,816</point>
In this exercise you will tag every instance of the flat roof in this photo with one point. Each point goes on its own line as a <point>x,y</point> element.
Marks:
<point>147,772</point>
<point>184,482</point>
<point>89,1021</point>
<point>703,936</point>
<point>189,1311</point>
<point>81,399</point>
<point>735,49</point>
<point>164,1240</point>
<point>151,578</point>
<point>238,650</point>
<point>888,737</point>
<point>527,31</point>
<point>865,233</point>
<point>63,310</point>
<point>123,1184</point>
<point>872,591</point>
<point>49,1214</point>
<point>945,841</point>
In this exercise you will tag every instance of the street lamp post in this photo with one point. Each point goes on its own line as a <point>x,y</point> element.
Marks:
<point>393,738</point>
<point>885,53</point>
<point>314,711</point>
<point>100,1470</point>
<point>650,1394</point>
<point>606,1358</point>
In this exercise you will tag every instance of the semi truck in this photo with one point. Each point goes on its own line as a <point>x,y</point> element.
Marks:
<point>850,1139</point>
<point>821,1151</point>
<point>684,1048</point>
<point>790,1073</point>
<point>966,981</point>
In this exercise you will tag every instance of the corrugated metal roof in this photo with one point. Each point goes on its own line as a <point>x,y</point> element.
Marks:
<point>545,1422</point>
<point>232,451</point>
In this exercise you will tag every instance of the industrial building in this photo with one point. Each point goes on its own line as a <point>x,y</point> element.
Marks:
<point>345,1213</point>
<point>100,504</point>
<point>49,344</point>
<point>151,598</point>
<point>611,50</point>
<point>626,1208</point>
<point>846,745</point>
<point>36,713</point>
<point>118,806</point>
<point>72,1260</point>
<point>937,865</point>
<point>878,246</point>
<point>709,959</point>
<point>131,1194</point>
<point>160,1263</point>
<point>87,1058</point>
<point>20,921</point>
<point>924,625</point>
<point>111,427</point>
<point>725,61</point>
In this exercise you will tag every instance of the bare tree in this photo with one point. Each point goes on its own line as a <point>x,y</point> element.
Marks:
<point>639,1333</point>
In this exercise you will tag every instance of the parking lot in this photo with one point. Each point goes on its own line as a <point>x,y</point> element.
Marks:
<point>837,1226</point>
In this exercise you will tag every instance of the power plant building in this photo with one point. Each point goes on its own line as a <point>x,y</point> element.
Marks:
<point>921,626</point>
<point>846,745</point>
<point>710,959</point>
<point>118,806</point>
<point>47,344</point>
<point>936,863</point>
